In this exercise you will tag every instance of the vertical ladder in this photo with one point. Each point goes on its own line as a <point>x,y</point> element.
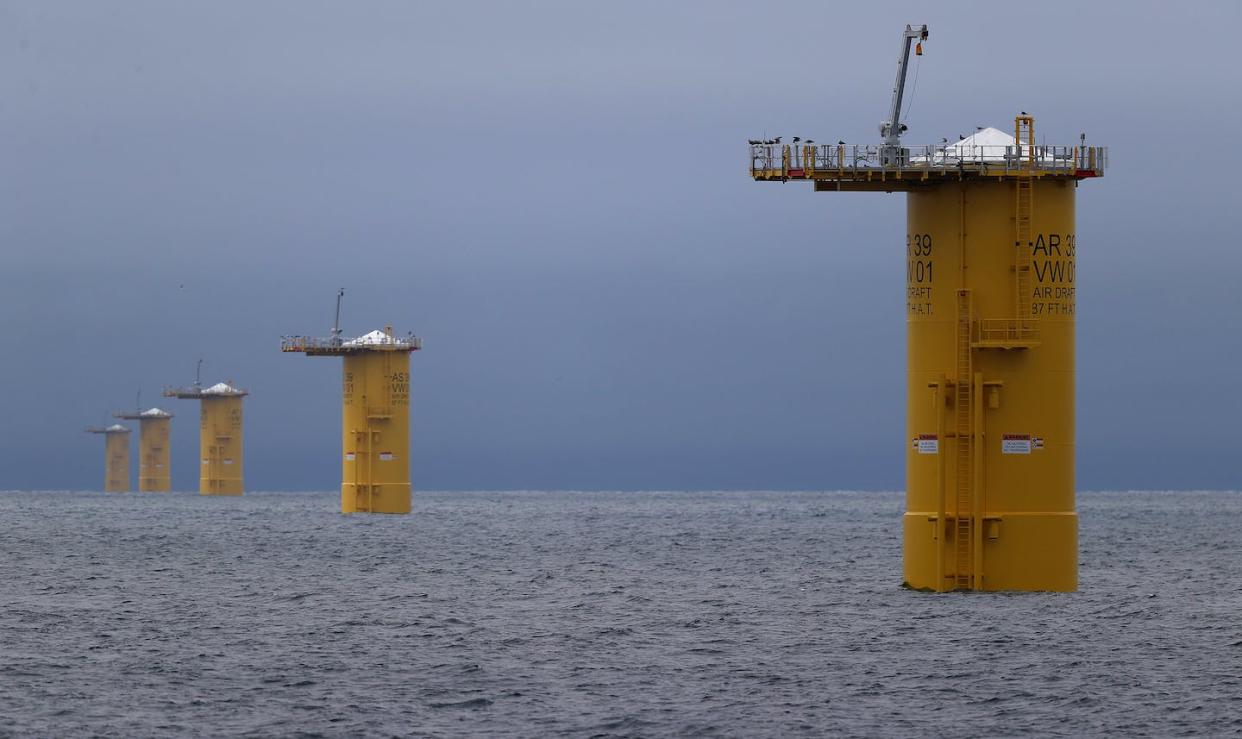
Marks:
<point>1024,134</point>
<point>963,397</point>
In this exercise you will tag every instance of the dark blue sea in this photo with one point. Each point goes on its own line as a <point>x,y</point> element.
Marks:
<point>599,614</point>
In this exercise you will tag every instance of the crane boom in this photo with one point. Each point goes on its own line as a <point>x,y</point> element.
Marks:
<point>892,128</point>
<point>336,323</point>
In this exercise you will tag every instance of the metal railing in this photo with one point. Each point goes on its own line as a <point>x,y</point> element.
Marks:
<point>335,344</point>
<point>807,161</point>
<point>1002,330</point>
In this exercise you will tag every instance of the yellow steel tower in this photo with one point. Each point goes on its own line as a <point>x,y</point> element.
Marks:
<point>375,472</point>
<point>154,425</point>
<point>220,436</point>
<point>990,297</point>
<point>116,456</point>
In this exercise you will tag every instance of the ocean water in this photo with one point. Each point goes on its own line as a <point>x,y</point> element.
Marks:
<point>599,614</point>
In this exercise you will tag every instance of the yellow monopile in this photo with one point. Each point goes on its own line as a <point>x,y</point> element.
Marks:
<point>154,430</point>
<point>990,300</point>
<point>116,456</point>
<point>375,467</point>
<point>220,436</point>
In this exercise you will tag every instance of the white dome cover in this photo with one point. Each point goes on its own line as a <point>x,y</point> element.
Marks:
<point>155,413</point>
<point>990,138</point>
<point>117,428</point>
<point>375,337</point>
<point>221,388</point>
<point>985,145</point>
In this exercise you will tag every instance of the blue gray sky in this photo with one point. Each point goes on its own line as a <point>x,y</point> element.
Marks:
<point>554,196</point>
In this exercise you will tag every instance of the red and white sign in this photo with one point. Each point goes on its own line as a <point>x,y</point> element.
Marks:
<point>1015,443</point>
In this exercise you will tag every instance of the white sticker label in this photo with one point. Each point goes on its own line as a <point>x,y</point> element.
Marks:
<point>228,461</point>
<point>1015,443</point>
<point>927,444</point>
<point>205,462</point>
<point>385,456</point>
<point>349,456</point>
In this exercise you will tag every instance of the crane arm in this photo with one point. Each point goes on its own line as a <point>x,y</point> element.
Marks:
<point>336,322</point>
<point>891,128</point>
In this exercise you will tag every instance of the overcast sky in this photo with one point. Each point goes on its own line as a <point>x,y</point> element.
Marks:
<point>554,196</point>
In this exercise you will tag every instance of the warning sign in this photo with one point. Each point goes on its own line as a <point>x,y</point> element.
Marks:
<point>385,456</point>
<point>349,456</point>
<point>926,444</point>
<point>1015,443</point>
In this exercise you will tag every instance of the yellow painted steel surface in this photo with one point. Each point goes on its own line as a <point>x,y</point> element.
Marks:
<point>990,389</point>
<point>220,445</point>
<point>116,463</point>
<point>375,473</point>
<point>154,473</point>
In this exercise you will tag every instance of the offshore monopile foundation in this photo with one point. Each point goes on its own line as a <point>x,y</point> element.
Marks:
<point>221,471</point>
<point>154,430</point>
<point>375,418</point>
<point>116,456</point>
<point>990,302</point>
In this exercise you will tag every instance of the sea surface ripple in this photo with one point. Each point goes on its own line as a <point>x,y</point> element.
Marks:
<point>599,614</point>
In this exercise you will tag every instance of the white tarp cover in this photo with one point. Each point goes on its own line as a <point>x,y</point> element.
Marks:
<point>116,427</point>
<point>985,145</point>
<point>154,413</point>
<point>988,139</point>
<point>375,337</point>
<point>220,388</point>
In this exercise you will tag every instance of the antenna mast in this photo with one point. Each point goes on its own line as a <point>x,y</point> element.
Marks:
<point>198,374</point>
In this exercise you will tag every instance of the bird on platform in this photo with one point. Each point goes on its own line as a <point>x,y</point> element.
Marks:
<point>840,142</point>
<point>796,139</point>
<point>776,140</point>
<point>810,141</point>
<point>1024,112</point>
<point>752,142</point>
<point>944,141</point>
<point>961,137</point>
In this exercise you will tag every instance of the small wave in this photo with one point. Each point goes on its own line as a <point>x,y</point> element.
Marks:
<point>471,703</point>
